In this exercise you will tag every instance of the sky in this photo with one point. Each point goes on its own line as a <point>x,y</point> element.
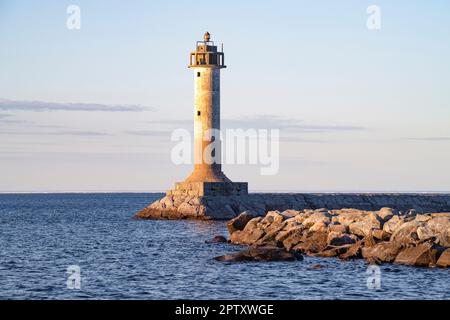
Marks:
<point>358,110</point>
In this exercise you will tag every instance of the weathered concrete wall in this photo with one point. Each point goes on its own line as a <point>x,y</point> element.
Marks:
<point>207,119</point>
<point>207,108</point>
<point>226,207</point>
<point>201,189</point>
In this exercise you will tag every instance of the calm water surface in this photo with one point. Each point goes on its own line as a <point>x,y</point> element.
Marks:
<point>121,258</point>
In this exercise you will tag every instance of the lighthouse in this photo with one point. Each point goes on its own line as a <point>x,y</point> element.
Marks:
<point>207,178</point>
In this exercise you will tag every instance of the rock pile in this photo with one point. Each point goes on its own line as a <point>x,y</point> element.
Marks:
<point>385,235</point>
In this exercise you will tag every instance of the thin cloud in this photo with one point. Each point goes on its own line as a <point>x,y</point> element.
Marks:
<point>6,119</point>
<point>80,133</point>
<point>179,122</point>
<point>277,122</point>
<point>12,121</point>
<point>56,133</point>
<point>149,133</point>
<point>266,122</point>
<point>41,106</point>
<point>429,139</point>
<point>301,140</point>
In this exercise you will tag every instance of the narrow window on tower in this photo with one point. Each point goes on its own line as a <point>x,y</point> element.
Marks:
<point>198,113</point>
<point>198,74</point>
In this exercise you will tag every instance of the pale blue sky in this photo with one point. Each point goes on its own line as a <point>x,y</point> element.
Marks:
<point>371,108</point>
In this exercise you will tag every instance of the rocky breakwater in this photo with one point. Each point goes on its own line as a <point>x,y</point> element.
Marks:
<point>226,207</point>
<point>385,235</point>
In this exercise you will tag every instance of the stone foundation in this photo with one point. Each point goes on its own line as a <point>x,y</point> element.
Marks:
<point>207,207</point>
<point>201,189</point>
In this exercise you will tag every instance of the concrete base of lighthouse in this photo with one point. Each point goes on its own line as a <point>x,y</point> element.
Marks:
<point>198,200</point>
<point>201,189</point>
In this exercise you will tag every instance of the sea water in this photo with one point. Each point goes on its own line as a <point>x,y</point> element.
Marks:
<point>88,246</point>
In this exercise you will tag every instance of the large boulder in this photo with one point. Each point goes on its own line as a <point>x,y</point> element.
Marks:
<point>250,234</point>
<point>425,233</point>
<point>441,214</point>
<point>444,259</point>
<point>271,225</point>
<point>439,227</point>
<point>319,227</point>
<point>301,216</point>
<point>348,216</point>
<point>364,227</point>
<point>288,230</point>
<point>290,213</point>
<point>239,222</point>
<point>444,238</point>
<point>272,221</point>
<point>423,217</point>
<point>392,224</point>
<point>294,237</point>
<point>260,254</point>
<point>369,241</point>
<point>331,251</point>
<point>381,235</point>
<point>336,227</point>
<point>217,239</point>
<point>312,242</point>
<point>317,218</point>
<point>382,252</point>
<point>439,224</point>
<point>385,214</point>
<point>354,251</point>
<point>361,228</point>
<point>340,239</point>
<point>270,238</point>
<point>406,233</point>
<point>422,255</point>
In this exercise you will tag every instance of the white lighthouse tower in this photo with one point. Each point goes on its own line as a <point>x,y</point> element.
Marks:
<point>207,177</point>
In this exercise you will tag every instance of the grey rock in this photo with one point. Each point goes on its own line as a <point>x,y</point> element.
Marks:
<point>338,228</point>
<point>312,242</point>
<point>407,232</point>
<point>444,259</point>
<point>423,255</point>
<point>422,217</point>
<point>382,252</point>
<point>340,239</point>
<point>392,224</point>
<point>321,217</point>
<point>354,251</point>
<point>239,222</point>
<point>217,239</point>
<point>386,213</point>
<point>261,254</point>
